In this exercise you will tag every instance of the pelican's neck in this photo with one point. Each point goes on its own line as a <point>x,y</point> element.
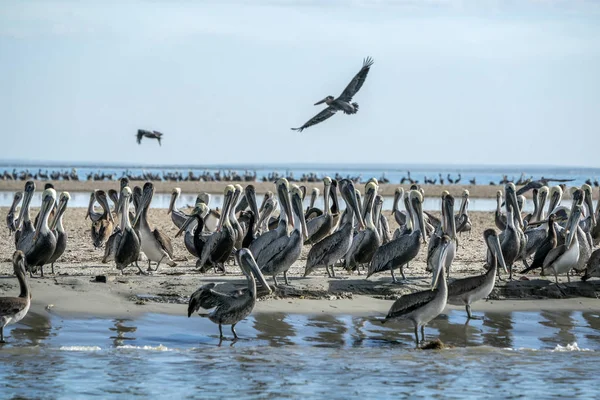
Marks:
<point>499,205</point>
<point>125,223</point>
<point>540,209</point>
<point>326,195</point>
<point>536,209</point>
<point>251,285</point>
<point>90,209</point>
<point>13,206</point>
<point>44,219</point>
<point>23,285</point>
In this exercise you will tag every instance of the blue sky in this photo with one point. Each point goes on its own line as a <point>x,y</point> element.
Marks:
<point>454,82</point>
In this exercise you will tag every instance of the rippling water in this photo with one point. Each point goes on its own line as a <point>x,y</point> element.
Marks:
<point>298,356</point>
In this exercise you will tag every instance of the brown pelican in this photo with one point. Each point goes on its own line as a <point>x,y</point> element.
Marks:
<point>332,248</point>
<point>11,221</point>
<point>219,245</point>
<point>103,227</point>
<point>264,240</point>
<point>14,309</point>
<point>237,228</point>
<point>499,217</point>
<point>466,291</point>
<point>197,217</point>
<point>279,256</point>
<point>593,266</point>
<point>150,135</point>
<point>447,227</point>
<point>127,243</point>
<point>366,242</point>
<point>156,245</point>
<point>563,258</point>
<point>399,216</point>
<point>248,218</point>
<point>113,195</point>
<point>94,216</point>
<point>550,242</point>
<point>177,216</point>
<point>342,103</point>
<point>512,238</point>
<point>230,308</point>
<point>463,222</point>
<point>265,214</point>
<point>312,211</point>
<point>319,227</point>
<point>40,246</point>
<point>56,226</point>
<point>422,307</point>
<point>25,228</point>
<point>400,251</point>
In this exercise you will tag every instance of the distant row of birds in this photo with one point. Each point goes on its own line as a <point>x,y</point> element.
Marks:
<point>557,239</point>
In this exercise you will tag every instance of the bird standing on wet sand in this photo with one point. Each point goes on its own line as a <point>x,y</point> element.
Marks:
<point>230,308</point>
<point>149,134</point>
<point>342,103</point>
<point>14,309</point>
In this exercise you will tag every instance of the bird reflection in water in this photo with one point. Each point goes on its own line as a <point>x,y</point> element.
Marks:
<point>121,331</point>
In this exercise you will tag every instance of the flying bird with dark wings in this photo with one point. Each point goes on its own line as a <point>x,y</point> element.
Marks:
<point>149,134</point>
<point>342,103</point>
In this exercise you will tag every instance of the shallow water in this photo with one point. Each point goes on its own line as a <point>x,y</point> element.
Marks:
<point>301,356</point>
<point>161,200</point>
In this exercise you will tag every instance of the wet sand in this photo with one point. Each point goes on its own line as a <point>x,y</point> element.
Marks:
<point>73,288</point>
<point>476,191</point>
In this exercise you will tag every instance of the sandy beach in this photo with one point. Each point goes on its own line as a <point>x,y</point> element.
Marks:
<point>75,289</point>
<point>477,191</point>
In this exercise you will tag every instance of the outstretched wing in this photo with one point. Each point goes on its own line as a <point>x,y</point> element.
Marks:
<point>164,241</point>
<point>140,135</point>
<point>320,117</point>
<point>356,82</point>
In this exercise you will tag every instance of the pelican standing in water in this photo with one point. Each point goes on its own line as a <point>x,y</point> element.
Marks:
<point>103,227</point>
<point>14,309</point>
<point>331,249</point>
<point>400,251</point>
<point>56,226</point>
<point>366,242</point>
<point>40,246</point>
<point>283,252</point>
<point>11,221</point>
<point>156,245</point>
<point>466,291</point>
<point>127,242</point>
<point>230,308</point>
<point>342,103</point>
<point>421,307</point>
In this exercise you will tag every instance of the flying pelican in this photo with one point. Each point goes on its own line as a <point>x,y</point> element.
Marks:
<point>14,309</point>
<point>398,252</point>
<point>230,308</point>
<point>332,248</point>
<point>103,227</point>
<point>561,259</point>
<point>342,103</point>
<point>468,290</point>
<point>56,226</point>
<point>422,307</point>
<point>11,221</point>
<point>319,227</point>
<point>219,245</point>
<point>150,135</point>
<point>40,246</point>
<point>156,245</point>
<point>366,242</point>
<point>283,252</point>
<point>127,242</point>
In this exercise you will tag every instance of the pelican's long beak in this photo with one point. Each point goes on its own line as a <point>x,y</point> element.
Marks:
<point>297,207</point>
<point>62,206</point>
<point>440,263</point>
<point>284,202</point>
<point>172,202</point>
<point>573,224</point>
<point>494,244</point>
<point>47,204</point>
<point>349,194</point>
<point>24,206</point>
<point>225,212</point>
<point>251,198</point>
<point>321,101</point>
<point>249,265</point>
<point>142,205</point>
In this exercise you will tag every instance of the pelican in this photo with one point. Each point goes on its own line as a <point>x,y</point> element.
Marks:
<point>237,228</point>
<point>11,221</point>
<point>56,226</point>
<point>150,135</point>
<point>366,242</point>
<point>561,259</point>
<point>593,266</point>
<point>279,256</point>
<point>342,103</point>
<point>398,252</point>
<point>550,242</point>
<point>499,218</point>
<point>40,246</point>
<point>512,237</point>
<point>230,308</point>
<point>219,245</point>
<point>25,227</point>
<point>212,218</point>
<point>103,227</point>
<point>399,216</point>
<point>319,227</point>
<point>467,291</point>
<point>197,217</point>
<point>177,216</point>
<point>156,245</point>
<point>312,211</point>
<point>422,307</point>
<point>264,240</point>
<point>14,309</point>
<point>127,243</point>
<point>463,222</point>
<point>335,246</point>
<point>447,227</point>
<point>383,229</point>
<point>113,195</point>
<point>94,216</point>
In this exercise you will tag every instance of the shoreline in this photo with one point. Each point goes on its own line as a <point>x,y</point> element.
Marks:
<point>385,189</point>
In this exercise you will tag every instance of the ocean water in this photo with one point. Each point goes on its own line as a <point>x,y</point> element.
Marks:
<point>482,175</point>
<point>542,354</point>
